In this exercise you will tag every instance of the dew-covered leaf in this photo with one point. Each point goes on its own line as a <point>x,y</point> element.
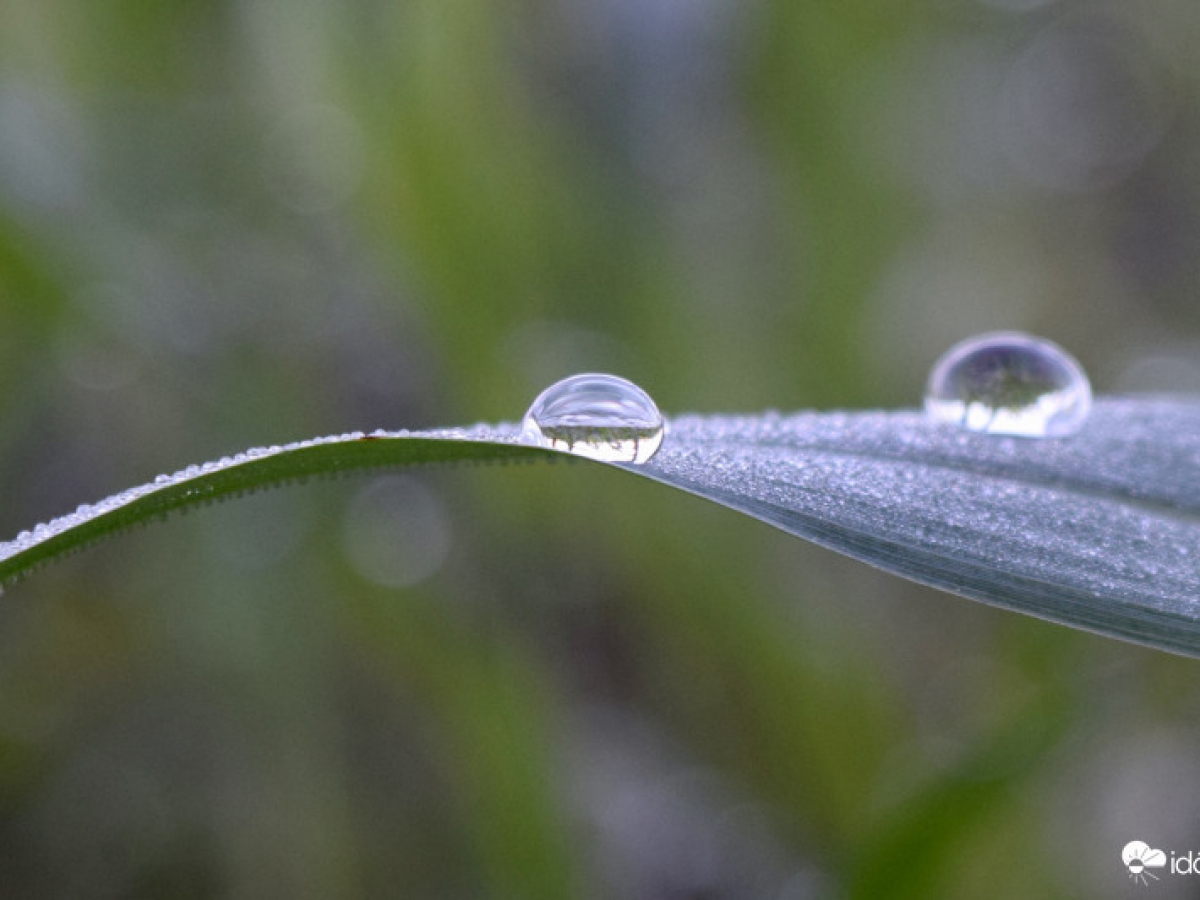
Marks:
<point>1100,530</point>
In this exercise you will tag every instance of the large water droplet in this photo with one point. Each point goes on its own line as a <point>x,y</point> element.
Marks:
<point>1009,383</point>
<point>599,416</point>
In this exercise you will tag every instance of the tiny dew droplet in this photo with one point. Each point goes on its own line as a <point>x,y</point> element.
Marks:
<point>598,416</point>
<point>1009,383</point>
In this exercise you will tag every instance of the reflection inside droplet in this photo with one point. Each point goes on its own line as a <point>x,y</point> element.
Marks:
<point>599,416</point>
<point>1009,383</point>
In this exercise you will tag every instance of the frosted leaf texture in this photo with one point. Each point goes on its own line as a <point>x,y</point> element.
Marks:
<point>1100,530</point>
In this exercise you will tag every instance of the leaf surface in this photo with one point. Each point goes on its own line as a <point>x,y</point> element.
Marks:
<point>1099,531</point>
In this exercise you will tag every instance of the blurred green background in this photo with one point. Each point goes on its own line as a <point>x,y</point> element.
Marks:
<point>242,222</point>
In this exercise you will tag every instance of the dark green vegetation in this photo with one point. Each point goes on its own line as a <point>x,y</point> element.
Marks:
<point>229,224</point>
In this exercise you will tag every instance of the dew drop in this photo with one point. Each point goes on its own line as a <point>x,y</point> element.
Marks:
<point>1009,383</point>
<point>598,416</point>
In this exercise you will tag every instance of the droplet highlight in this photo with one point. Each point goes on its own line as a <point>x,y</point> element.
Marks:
<point>598,416</point>
<point>1009,383</point>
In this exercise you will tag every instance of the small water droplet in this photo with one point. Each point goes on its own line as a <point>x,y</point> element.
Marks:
<point>1009,383</point>
<point>599,416</point>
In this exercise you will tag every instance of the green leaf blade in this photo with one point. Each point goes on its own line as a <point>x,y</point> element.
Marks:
<point>250,471</point>
<point>1098,531</point>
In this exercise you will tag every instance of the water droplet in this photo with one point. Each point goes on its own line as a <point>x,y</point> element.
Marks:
<point>599,416</point>
<point>1009,383</point>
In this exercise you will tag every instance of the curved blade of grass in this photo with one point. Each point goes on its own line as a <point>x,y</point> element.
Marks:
<point>1099,531</point>
<point>249,471</point>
